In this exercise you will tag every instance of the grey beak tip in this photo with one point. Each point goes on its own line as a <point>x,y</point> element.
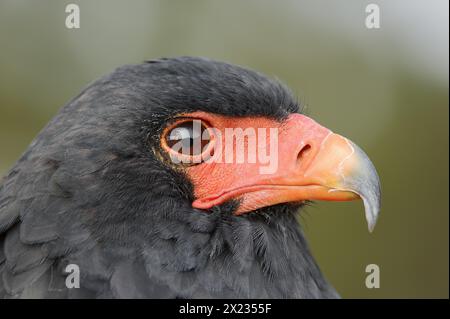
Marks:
<point>372,203</point>
<point>371,221</point>
<point>368,187</point>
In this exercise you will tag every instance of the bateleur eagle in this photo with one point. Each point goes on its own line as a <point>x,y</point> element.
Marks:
<point>99,188</point>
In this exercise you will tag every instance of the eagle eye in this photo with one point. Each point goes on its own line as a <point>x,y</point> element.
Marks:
<point>187,140</point>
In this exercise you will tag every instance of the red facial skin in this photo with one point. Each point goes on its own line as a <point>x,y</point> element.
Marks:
<point>312,164</point>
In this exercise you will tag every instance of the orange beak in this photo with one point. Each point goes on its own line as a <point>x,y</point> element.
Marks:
<point>309,162</point>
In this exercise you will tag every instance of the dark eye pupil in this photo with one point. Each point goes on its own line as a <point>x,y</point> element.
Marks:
<point>188,138</point>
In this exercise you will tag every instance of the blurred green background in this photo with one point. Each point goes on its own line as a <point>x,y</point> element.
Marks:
<point>386,89</point>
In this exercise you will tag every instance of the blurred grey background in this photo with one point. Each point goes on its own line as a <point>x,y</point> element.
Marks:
<point>386,89</point>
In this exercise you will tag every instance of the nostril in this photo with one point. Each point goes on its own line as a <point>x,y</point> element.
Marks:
<point>303,154</point>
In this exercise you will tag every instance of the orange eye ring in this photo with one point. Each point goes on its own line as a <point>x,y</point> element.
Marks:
<point>191,158</point>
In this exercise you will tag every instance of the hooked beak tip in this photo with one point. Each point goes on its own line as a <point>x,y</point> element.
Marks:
<point>371,214</point>
<point>366,183</point>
